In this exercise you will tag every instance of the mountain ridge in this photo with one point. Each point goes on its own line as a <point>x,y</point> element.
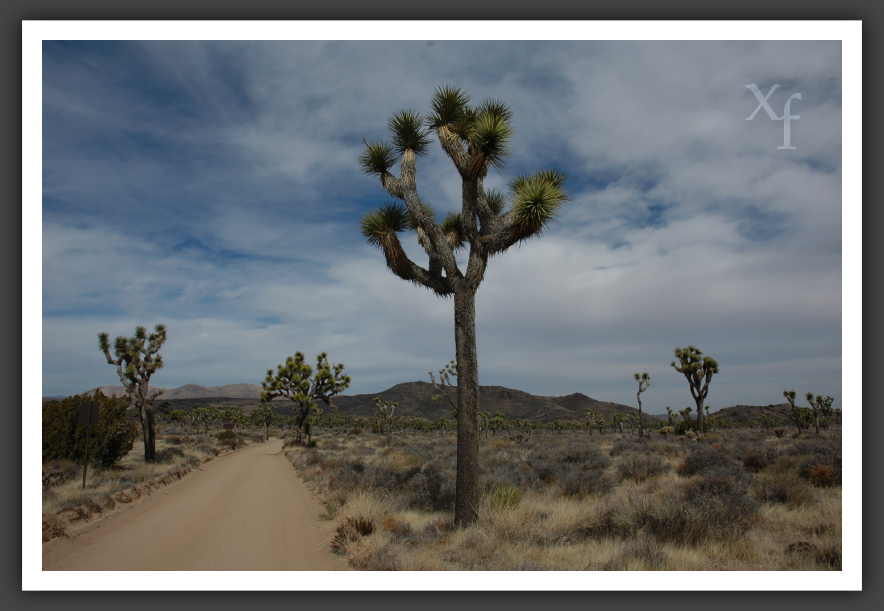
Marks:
<point>414,399</point>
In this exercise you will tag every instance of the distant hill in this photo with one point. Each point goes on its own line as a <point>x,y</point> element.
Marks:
<point>414,399</point>
<point>194,391</point>
<point>740,415</point>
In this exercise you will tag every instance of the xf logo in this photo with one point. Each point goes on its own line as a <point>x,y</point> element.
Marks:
<point>787,112</point>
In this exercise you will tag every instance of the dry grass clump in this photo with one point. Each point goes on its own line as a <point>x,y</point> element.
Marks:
<point>571,502</point>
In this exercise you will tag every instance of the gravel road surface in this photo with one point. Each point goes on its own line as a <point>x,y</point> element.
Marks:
<point>244,511</point>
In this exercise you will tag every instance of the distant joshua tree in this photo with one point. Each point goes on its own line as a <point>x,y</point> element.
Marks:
<point>794,416</point>
<point>385,411</point>
<point>137,358</point>
<point>643,382</point>
<point>296,380</point>
<point>821,405</point>
<point>264,415</point>
<point>590,419</point>
<point>699,372</point>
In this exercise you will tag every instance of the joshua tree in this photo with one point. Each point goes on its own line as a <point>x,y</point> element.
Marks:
<point>600,423</point>
<point>205,416</point>
<point>137,358</point>
<point>445,375</point>
<point>264,415</point>
<point>698,370</point>
<point>825,406</point>
<point>794,416</point>
<point>234,415</point>
<point>644,380</point>
<point>686,421</point>
<point>475,138</point>
<point>590,419</point>
<point>385,411</point>
<point>484,418</point>
<point>296,380</point>
<point>820,405</point>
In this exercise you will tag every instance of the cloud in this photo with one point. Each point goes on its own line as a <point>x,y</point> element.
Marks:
<point>214,186</point>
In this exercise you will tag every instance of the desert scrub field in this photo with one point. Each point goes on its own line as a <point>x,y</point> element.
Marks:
<point>65,501</point>
<point>742,500</point>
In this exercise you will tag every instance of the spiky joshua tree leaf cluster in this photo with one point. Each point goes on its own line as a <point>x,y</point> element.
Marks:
<point>474,138</point>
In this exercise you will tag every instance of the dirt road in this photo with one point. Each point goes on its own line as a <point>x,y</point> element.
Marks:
<point>243,511</point>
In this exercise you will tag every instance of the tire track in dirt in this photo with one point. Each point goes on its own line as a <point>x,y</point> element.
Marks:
<point>244,511</point>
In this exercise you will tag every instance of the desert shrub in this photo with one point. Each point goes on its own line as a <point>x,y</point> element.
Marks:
<point>643,548</point>
<point>572,451</point>
<point>708,508</point>
<point>785,488</point>
<point>226,434</point>
<point>666,431</point>
<point>703,458</point>
<point>821,476</point>
<point>628,445</point>
<point>756,460</point>
<point>439,478</point>
<point>686,427</point>
<point>169,454</point>
<point>501,467</point>
<point>669,448</point>
<point>583,480</point>
<point>385,477</point>
<point>724,502</point>
<point>818,451</point>
<point>641,467</point>
<point>351,529</point>
<point>577,467</point>
<point>818,460</point>
<point>311,457</point>
<point>110,439</point>
<point>57,472</point>
<point>829,555</point>
<point>230,443</point>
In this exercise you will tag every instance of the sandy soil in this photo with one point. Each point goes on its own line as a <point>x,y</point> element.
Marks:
<point>244,511</point>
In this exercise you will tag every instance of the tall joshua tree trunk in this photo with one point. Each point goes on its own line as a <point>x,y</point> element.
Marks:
<point>467,482</point>
<point>643,382</point>
<point>474,138</point>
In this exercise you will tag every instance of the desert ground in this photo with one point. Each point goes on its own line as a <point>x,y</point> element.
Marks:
<point>244,511</point>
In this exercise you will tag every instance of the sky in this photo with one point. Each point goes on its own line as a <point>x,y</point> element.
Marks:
<point>205,176</point>
<point>213,186</point>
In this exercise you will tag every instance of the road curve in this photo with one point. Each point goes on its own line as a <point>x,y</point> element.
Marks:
<point>243,511</point>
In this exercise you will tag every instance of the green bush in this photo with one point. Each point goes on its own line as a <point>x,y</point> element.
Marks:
<point>225,435</point>
<point>506,497</point>
<point>110,439</point>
